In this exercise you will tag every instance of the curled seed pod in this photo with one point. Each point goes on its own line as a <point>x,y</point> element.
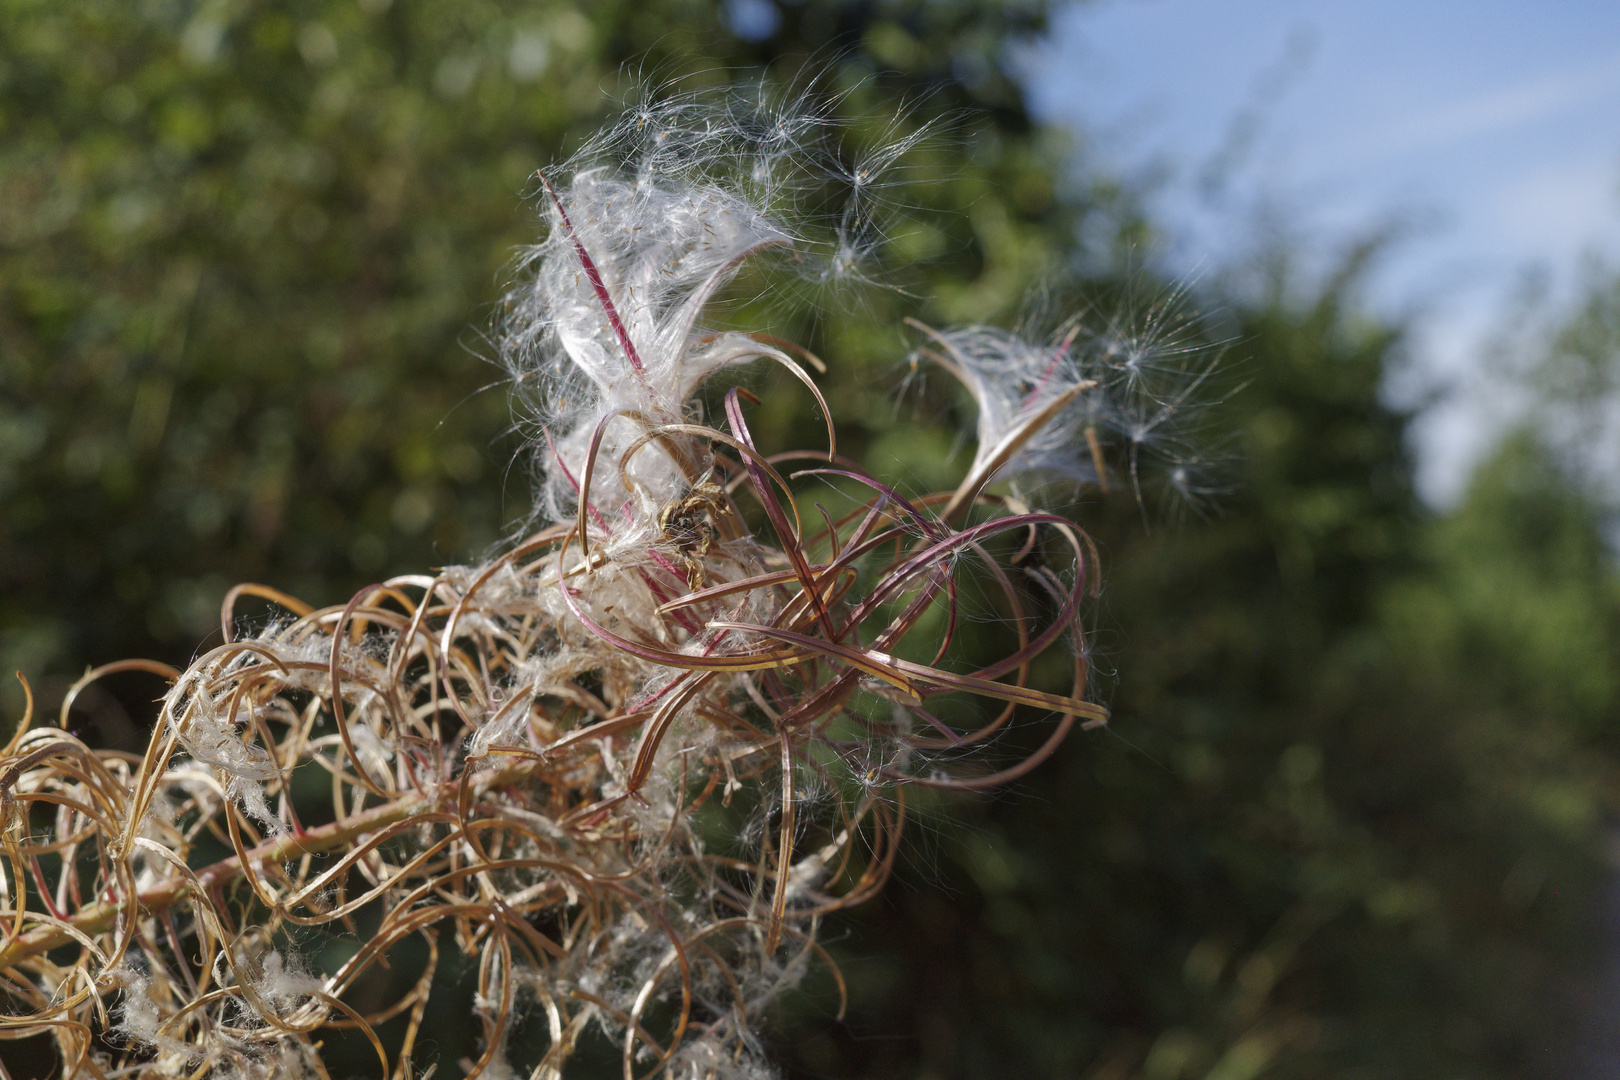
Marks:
<point>524,759</point>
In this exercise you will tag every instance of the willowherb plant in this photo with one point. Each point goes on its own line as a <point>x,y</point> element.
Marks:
<point>530,759</point>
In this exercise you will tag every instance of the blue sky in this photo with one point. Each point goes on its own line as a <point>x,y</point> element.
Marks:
<point>1495,126</point>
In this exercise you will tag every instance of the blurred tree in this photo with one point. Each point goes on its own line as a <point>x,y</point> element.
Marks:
<point>1572,362</point>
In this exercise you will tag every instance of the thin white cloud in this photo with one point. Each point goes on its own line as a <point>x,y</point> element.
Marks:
<point>1563,205</point>
<point>1492,111</point>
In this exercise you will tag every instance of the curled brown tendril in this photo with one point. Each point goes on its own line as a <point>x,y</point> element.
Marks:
<point>622,771</point>
<point>518,768</point>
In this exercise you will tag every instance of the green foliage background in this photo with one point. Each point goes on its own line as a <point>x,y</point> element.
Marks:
<point>1348,820</point>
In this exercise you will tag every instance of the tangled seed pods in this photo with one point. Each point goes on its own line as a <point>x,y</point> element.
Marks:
<point>627,766</point>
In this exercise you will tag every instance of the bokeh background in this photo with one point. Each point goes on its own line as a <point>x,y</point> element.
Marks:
<point>1353,815</point>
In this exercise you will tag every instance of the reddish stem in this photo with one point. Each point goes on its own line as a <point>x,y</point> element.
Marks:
<point>594,276</point>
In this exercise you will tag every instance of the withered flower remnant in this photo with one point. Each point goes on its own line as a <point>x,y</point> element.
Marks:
<point>542,761</point>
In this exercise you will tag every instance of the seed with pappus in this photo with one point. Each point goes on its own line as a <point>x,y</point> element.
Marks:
<point>628,765</point>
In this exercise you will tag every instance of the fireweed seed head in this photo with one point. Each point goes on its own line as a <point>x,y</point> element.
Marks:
<point>1110,396</point>
<point>1160,362</point>
<point>645,225</point>
<point>628,764</point>
<point>1014,381</point>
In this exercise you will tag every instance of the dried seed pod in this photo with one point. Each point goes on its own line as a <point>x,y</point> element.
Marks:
<point>519,754</point>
